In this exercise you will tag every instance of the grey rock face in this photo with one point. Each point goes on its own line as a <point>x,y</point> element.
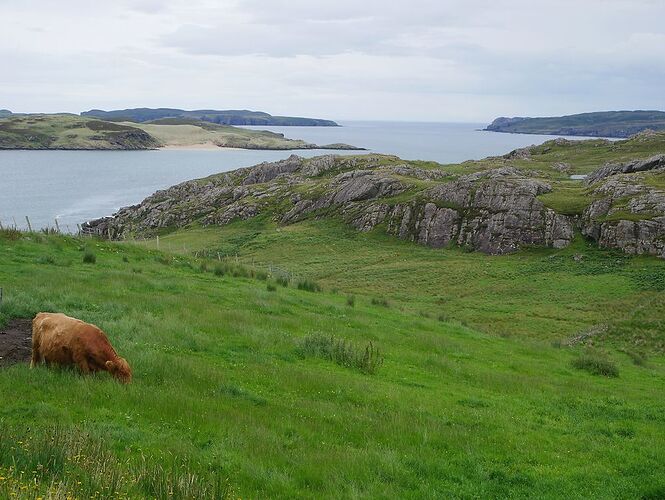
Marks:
<point>265,172</point>
<point>627,214</point>
<point>561,167</point>
<point>495,212</point>
<point>655,162</point>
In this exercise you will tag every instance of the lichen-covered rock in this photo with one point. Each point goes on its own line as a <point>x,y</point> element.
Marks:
<point>655,162</point>
<point>627,214</point>
<point>265,172</point>
<point>495,211</point>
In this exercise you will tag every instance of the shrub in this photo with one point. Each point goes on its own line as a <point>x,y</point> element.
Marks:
<point>443,318</point>
<point>89,257</point>
<point>351,300</point>
<point>240,272</point>
<point>282,281</point>
<point>163,259</point>
<point>341,351</point>
<point>270,287</point>
<point>596,363</point>
<point>309,285</point>
<point>380,302</point>
<point>203,267</point>
<point>125,258</point>
<point>10,234</point>
<point>219,270</point>
<point>46,259</point>
<point>261,275</point>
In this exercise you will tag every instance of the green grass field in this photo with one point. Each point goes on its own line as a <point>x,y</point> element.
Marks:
<point>544,294</point>
<point>226,401</point>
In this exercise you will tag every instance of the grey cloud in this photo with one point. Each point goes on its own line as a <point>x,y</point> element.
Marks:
<point>417,59</point>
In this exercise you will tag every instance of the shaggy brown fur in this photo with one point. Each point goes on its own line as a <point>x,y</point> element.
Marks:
<point>61,340</point>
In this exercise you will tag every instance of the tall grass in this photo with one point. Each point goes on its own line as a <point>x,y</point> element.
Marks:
<point>89,257</point>
<point>61,462</point>
<point>308,285</point>
<point>367,360</point>
<point>596,363</point>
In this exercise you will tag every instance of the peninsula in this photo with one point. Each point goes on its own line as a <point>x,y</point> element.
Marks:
<point>73,132</point>
<point>620,124</point>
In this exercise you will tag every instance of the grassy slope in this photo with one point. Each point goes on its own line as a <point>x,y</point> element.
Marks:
<point>539,293</point>
<point>218,384</point>
<point>64,131</point>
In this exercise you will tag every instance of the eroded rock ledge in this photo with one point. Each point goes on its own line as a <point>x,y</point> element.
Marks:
<point>495,211</point>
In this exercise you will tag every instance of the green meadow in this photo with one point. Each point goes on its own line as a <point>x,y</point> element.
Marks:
<point>250,383</point>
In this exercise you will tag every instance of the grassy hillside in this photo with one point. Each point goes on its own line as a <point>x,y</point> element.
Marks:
<point>229,393</point>
<point>600,124</point>
<point>544,294</point>
<point>223,117</point>
<point>62,131</point>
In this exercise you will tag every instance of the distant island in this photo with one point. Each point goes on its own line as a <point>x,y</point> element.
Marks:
<point>620,124</point>
<point>223,117</point>
<point>74,132</point>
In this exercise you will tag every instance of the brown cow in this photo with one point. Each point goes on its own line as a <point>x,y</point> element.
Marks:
<point>61,340</point>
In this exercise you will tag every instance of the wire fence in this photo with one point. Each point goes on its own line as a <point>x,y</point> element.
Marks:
<point>155,243</point>
<point>25,224</point>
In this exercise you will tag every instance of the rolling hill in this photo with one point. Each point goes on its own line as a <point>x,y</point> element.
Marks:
<point>224,117</point>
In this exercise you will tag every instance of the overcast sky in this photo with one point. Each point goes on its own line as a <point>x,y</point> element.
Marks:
<point>445,60</point>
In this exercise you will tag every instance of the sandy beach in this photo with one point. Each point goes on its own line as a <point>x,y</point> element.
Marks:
<point>204,146</point>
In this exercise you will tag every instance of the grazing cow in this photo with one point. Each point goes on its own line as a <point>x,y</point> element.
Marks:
<point>60,340</point>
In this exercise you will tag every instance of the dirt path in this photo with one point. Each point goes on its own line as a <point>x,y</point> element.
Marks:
<point>15,342</point>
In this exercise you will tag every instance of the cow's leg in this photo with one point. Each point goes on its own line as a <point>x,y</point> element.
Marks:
<point>82,362</point>
<point>36,358</point>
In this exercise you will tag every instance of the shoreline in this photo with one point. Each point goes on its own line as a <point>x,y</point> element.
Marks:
<point>204,146</point>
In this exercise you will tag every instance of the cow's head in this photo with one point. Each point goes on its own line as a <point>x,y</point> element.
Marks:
<point>120,369</point>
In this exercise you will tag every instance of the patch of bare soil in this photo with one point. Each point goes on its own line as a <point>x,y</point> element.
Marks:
<point>15,342</point>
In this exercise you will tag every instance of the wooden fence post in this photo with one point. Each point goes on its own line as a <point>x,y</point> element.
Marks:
<point>29,225</point>
<point>57,226</point>
<point>157,242</point>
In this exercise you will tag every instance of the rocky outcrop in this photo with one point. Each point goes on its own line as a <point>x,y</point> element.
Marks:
<point>655,162</point>
<point>495,211</point>
<point>628,214</point>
